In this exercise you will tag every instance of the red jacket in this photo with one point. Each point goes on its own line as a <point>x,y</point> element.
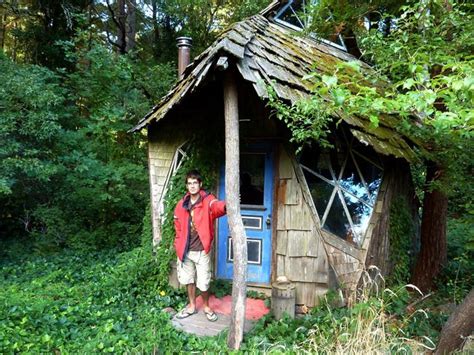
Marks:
<point>205,213</point>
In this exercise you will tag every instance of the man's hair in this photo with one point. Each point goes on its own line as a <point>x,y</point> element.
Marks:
<point>193,174</point>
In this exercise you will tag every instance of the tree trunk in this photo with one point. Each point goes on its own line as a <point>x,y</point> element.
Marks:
<point>156,29</point>
<point>459,325</point>
<point>131,25</point>
<point>433,252</point>
<point>237,231</point>
<point>15,41</point>
<point>121,22</point>
<point>3,29</point>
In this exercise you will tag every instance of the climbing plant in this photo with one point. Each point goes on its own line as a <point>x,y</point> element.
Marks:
<point>400,234</point>
<point>308,120</point>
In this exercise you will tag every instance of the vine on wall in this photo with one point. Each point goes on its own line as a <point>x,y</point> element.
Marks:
<point>401,232</point>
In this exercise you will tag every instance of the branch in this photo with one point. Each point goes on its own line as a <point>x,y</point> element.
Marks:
<point>112,12</point>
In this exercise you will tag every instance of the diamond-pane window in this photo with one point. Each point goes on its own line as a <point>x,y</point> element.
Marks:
<point>344,187</point>
<point>294,15</point>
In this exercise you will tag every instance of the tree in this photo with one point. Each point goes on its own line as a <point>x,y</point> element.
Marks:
<point>32,29</point>
<point>31,107</point>
<point>424,51</point>
<point>459,326</point>
<point>123,16</point>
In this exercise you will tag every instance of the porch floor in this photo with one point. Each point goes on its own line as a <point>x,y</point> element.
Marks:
<point>198,324</point>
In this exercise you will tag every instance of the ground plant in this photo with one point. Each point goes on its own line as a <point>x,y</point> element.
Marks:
<point>114,301</point>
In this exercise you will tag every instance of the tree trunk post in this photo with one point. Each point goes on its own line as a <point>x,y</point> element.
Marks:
<point>232,191</point>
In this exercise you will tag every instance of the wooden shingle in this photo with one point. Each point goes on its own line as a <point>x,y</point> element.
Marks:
<point>272,55</point>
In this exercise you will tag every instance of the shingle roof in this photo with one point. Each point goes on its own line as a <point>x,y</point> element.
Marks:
<point>269,54</point>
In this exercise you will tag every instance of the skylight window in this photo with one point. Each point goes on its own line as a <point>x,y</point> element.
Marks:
<point>294,15</point>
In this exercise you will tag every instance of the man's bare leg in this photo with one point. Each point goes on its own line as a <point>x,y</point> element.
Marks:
<point>192,297</point>
<point>205,300</point>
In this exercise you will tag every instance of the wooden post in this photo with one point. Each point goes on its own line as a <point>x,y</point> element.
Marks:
<point>232,192</point>
<point>283,299</point>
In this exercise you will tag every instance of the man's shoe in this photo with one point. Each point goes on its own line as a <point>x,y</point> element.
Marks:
<point>211,316</point>
<point>185,313</point>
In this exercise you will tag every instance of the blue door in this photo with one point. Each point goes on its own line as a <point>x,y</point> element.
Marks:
<point>256,191</point>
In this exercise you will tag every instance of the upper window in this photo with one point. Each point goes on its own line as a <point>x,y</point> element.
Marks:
<point>344,183</point>
<point>294,15</point>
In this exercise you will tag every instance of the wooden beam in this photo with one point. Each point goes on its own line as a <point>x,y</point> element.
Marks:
<point>236,226</point>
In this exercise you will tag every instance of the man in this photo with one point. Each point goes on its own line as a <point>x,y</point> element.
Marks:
<point>194,218</point>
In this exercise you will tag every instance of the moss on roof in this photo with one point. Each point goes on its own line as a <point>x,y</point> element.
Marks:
<point>269,54</point>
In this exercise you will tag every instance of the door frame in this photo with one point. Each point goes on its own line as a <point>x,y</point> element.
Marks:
<point>272,147</point>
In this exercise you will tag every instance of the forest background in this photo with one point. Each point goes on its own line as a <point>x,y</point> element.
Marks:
<point>75,242</point>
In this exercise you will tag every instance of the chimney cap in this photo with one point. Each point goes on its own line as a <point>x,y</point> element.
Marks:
<point>184,42</point>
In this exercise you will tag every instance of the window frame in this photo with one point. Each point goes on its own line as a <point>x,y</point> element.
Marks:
<point>278,20</point>
<point>339,190</point>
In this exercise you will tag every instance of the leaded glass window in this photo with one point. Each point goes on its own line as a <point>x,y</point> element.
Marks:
<point>294,15</point>
<point>344,183</point>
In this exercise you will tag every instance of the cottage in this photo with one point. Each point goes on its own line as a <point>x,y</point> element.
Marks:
<point>318,217</point>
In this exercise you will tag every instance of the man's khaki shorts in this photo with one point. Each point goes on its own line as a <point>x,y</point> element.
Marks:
<point>196,268</point>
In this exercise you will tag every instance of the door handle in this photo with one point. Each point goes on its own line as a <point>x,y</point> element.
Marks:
<point>268,221</point>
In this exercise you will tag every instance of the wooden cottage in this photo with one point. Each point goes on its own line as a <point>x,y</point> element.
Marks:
<point>318,217</point>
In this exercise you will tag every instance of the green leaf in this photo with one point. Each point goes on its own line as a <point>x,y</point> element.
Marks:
<point>409,83</point>
<point>330,81</point>
<point>339,96</point>
<point>374,120</point>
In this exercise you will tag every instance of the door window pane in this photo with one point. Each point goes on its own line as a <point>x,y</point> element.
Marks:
<point>252,177</point>
<point>254,251</point>
<point>252,222</point>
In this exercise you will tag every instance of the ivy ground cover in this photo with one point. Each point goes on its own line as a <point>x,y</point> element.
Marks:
<point>88,302</point>
<point>110,301</point>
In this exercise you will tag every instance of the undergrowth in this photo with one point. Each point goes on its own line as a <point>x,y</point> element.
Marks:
<point>113,302</point>
<point>378,323</point>
<point>87,303</point>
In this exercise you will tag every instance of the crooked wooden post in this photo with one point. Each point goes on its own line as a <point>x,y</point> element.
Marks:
<point>232,192</point>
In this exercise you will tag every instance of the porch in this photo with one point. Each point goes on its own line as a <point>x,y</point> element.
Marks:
<point>198,324</point>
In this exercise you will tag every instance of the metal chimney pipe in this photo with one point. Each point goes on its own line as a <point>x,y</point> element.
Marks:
<point>184,54</point>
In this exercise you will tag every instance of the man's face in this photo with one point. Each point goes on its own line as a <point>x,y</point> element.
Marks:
<point>193,186</point>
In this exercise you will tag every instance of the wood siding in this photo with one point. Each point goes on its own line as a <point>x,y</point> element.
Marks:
<point>300,254</point>
<point>397,183</point>
<point>314,259</point>
<point>161,150</point>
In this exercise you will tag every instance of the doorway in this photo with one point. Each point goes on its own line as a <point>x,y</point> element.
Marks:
<point>256,193</point>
